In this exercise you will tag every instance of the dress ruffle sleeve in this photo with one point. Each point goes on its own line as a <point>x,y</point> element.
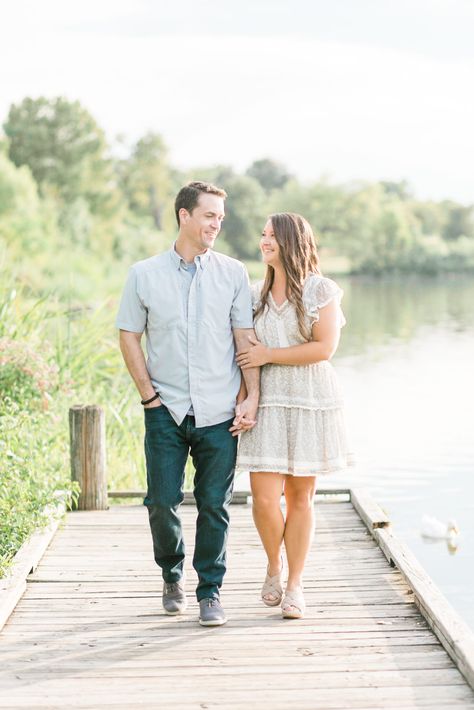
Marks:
<point>319,292</point>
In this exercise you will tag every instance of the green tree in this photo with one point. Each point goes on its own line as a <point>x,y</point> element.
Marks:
<point>146,178</point>
<point>245,216</point>
<point>381,231</point>
<point>22,217</point>
<point>322,204</point>
<point>459,220</point>
<point>64,148</point>
<point>401,189</point>
<point>430,216</point>
<point>269,173</point>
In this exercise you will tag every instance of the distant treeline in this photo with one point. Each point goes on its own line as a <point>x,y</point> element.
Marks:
<point>64,191</point>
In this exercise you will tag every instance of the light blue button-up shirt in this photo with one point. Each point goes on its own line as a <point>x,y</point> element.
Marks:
<point>188,320</point>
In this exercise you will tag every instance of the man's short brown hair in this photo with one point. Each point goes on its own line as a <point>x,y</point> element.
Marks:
<point>188,196</point>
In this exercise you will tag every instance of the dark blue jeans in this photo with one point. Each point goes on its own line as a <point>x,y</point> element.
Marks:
<point>213,450</point>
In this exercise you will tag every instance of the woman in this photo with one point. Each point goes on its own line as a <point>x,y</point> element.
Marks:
<point>300,428</point>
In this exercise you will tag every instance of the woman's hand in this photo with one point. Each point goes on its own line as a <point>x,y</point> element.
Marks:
<point>245,416</point>
<point>254,356</point>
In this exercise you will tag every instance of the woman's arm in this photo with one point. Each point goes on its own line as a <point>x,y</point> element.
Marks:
<point>325,333</point>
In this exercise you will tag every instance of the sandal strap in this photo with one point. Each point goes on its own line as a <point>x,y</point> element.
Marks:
<point>272,585</point>
<point>295,598</point>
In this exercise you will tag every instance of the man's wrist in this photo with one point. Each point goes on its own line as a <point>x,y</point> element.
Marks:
<point>253,396</point>
<point>150,399</point>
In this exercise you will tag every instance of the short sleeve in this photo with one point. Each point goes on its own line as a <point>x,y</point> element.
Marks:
<point>241,311</point>
<point>132,314</point>
<point>319,292</point>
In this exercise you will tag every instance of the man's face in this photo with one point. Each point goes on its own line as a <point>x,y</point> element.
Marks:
<point>203,224</point>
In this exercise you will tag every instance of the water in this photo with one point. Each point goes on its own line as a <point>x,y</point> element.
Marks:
<point>406,362</point>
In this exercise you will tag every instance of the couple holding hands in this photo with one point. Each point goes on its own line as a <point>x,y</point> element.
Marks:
<point>239,377</point>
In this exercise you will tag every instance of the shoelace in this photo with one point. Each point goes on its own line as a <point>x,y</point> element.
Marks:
<point>212,602</point>
<point>172,587</point>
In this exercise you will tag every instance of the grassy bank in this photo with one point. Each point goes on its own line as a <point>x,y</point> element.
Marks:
<point>50,359</point>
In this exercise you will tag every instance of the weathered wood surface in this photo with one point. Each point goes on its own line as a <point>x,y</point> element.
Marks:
<point>88,457</point>
<point>89,631</point>
<point>13,585</point>
<point>451,630</point>
<point>237,496</point>
<point>370,511</point>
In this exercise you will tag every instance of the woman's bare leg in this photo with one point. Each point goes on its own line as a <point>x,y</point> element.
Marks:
<point>267,514</point>
<point>299,528</point>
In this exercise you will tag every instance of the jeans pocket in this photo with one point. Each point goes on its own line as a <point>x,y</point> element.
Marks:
<point>152,414</point>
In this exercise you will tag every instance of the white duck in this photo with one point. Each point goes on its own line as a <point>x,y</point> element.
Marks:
<point>435,529</point>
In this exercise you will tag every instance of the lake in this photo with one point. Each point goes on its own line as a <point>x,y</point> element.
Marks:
<point>406,363</point>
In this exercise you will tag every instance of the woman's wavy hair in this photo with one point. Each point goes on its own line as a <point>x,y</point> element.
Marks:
<point>299,257</point>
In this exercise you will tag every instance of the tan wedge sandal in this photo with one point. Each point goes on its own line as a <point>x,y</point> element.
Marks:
<point>272,587</point>
<point>293,605</point>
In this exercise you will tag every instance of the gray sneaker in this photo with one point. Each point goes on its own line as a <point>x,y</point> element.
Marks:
<point>174,598</point>
<point>211,612</point>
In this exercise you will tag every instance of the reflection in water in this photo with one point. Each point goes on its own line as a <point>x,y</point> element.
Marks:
<point>433,530</point>
<point>382,311</point>
<point>406,363</point>
<point>452,546</point>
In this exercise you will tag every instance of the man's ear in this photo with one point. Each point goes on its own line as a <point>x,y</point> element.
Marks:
<point>184,215</point>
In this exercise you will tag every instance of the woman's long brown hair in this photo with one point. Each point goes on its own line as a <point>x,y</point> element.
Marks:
<point>299,257</point>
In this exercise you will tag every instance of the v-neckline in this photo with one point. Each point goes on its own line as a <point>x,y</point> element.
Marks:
<point>278,307</point>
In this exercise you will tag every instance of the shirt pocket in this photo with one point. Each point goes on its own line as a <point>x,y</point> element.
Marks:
<point>165,314</point>
<point>215,313</point>
<point>159,324</point>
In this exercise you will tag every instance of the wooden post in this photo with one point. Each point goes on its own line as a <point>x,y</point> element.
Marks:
<point>87,436</point>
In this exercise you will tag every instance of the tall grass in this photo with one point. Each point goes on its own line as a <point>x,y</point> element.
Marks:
<point>51,358</point>
<point>33,446</point>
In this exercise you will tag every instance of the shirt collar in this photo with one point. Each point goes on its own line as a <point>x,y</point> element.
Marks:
<point>201,259</point>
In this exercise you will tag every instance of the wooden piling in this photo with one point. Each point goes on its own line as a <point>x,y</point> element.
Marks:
<point>88,466</point>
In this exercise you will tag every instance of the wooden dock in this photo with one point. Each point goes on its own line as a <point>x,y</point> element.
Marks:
<point>89,631</point>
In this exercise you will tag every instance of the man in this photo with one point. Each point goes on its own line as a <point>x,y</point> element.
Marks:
<point>194,306</point>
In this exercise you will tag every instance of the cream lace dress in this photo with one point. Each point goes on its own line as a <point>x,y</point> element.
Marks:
<point>300,426</point>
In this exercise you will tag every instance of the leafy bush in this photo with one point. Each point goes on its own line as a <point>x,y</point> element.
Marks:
<point>32,455</point>
<point>32,446</point>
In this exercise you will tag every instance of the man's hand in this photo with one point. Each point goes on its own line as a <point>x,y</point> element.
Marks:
<point>255,355</point>
<point>154,404</point>
<point>245,416</point>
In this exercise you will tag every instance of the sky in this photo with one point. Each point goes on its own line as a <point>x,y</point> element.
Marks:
<point>341,89</point>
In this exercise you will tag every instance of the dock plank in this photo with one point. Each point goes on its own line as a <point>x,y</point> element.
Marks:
<point>89,631</point>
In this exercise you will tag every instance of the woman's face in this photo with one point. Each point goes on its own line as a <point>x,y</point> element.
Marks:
<point>269,247</point>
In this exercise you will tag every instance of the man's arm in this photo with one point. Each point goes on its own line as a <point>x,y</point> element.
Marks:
<point>246,410</point>
<point>130,345</point>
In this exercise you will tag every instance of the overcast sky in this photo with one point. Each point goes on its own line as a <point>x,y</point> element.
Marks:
<point>349,89</point>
